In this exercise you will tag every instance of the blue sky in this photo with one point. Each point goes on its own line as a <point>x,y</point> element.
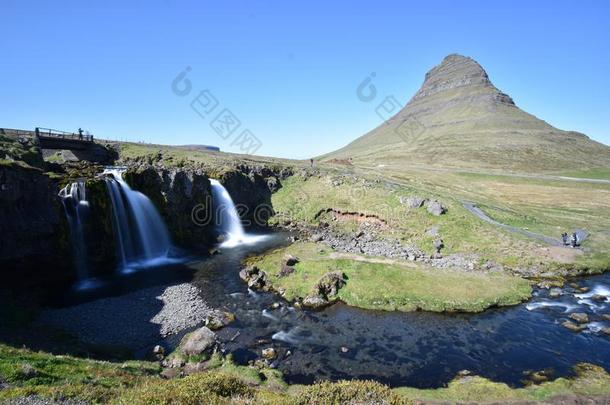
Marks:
<point>288,71</point>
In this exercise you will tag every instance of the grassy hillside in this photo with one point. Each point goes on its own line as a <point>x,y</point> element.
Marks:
<point>459,119</point>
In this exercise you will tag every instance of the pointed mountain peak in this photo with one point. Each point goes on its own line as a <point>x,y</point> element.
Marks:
<point>458,71</point>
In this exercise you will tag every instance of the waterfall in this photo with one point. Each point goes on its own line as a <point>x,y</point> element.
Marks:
<point>74,200</point>
<point>227,218</point>
<point>142,237</point>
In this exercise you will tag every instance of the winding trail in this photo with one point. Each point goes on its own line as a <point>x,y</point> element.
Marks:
<point>472,208</point>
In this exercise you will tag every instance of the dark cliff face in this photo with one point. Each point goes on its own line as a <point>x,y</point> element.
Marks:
<point>33,232</point>
<point>182,197</point>
<point>98,230</point>
<point>35,236</point>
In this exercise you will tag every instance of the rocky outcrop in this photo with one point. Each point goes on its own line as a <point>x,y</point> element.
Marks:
<point>325,290</point>
<point>198,342</point>
<point>255,277</point>
<point>183,196</point>
<point>33,232</point>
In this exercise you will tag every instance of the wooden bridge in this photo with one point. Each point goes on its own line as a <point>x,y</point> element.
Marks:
<point>53,139</point>
<point>48,138</point>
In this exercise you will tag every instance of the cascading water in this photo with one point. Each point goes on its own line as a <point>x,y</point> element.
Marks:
<point>74,199</point>
<point>142,237</point>
<point>227,218</point>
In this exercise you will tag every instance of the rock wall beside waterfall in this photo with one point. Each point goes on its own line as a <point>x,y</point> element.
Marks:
<point>182,196</point>
<point>177,193</point>
<point>33,231</point>
<point>99,234</point>
<point>35,239</point>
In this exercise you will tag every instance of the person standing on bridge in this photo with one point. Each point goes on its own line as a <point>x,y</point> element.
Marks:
<point>80,134</point>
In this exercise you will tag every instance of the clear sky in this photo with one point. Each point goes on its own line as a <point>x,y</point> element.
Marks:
<point>288,71</point>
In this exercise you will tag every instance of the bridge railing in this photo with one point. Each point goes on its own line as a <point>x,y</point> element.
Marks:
<point>53,133</point>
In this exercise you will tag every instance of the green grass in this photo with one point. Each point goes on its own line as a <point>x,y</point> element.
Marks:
<point>223,382</point>
<point>595,173</point>
<point>37,373</point>
<point>397,285</point>
<point>300,200</point>
<point>590,380</point>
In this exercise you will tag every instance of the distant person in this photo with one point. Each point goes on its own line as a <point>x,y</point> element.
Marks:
<point>564,238</point>
<point>574,240</point>
<point>311,161</point>
<point>80,134</point>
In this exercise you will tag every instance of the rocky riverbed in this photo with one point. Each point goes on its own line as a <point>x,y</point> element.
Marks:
<point>136,320</point>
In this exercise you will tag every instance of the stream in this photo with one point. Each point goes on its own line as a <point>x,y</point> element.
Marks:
<point>417,349</point>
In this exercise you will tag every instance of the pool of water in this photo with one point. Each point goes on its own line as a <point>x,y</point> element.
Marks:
<point>418,349</point>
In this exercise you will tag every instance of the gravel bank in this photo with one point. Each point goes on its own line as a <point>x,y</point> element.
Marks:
<point>134,320</point>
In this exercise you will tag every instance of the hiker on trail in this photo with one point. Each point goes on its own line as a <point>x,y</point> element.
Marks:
<point>80,134</point>
<point>311,161</point>
<point>564,238</point>
<point>574,240</point>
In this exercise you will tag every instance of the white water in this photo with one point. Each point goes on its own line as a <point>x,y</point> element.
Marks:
<point>290,337</point>
<point>142,237</point>
<point>550,304</point>
<point>228,219</point>
<point>74,199</point>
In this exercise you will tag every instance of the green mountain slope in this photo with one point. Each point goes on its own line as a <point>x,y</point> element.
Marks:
<point>458,118</point>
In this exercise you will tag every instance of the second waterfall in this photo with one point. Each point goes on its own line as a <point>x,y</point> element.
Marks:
<point>142,237</point>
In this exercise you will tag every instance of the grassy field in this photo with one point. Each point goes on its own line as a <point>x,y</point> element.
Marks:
<point>375,283</point>
<point>504,199</point>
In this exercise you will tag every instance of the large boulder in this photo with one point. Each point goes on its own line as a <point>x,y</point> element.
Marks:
<point>436,208</point>
<point>255,277</point>
<point>330,283</point>
<point>198,342</point>
<point>314,301</point>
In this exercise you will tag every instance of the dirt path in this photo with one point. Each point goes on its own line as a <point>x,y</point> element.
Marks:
<point>359,258</point>
<point>472,208</point>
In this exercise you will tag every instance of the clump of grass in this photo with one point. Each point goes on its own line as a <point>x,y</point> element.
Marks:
<point>349,392</point>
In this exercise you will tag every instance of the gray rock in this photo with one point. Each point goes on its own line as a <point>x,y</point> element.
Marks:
<point>438,245</point>
<point>580,317</point>
<point>572,326</point>
<point>432,231</point>
<point>330,283</point>
<point>412,202</point>
<point>219,319</point>
<point>203,339</point>
<point>315,302</point>
<point>290,260</point>
<point>317,237</point>
<point>435,208</point>
<point>269,353</point>
<point>555,292</point>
